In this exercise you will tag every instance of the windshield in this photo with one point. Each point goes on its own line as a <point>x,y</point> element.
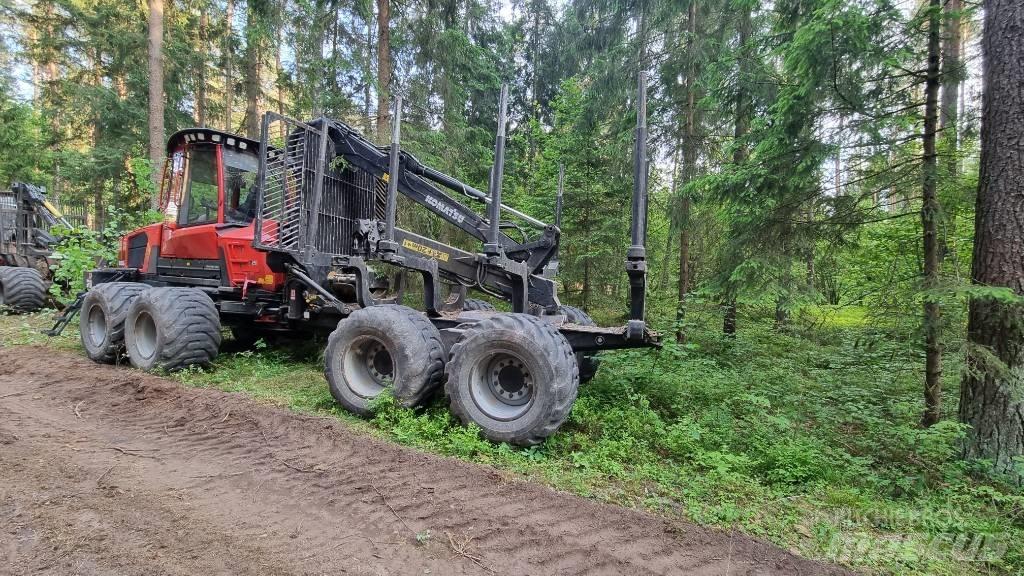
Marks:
<point>201,185</point>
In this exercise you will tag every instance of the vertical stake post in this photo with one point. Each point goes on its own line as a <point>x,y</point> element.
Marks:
<point>388,244</point>
<point>558,198</point>
<point>636,256</point>
<point>492,247</point>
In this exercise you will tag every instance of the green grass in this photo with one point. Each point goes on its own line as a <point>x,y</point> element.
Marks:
<point>807,439</point>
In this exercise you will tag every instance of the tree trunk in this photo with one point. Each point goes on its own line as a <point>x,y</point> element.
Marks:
<point>684,267</point>
<point>810,250</point>
<point>204,24</point>
<point>383,69</point>
<point>254,34</point>
<point>948,115</point>
<point>673,194</point>
<point>368,71</point>
<point>156,96</point>
<point>97,140</point>
<point>689,170</point>
<point>586,283</point>
<point>37,74</point>
<point>990,400</point>
<point>729,318</point>
<point>534,99</point>
<point>229,81</point>
<point>782,301</point>
<point>930,227</point>
<point>335,56</point>
<point>278,68</point>
<point>743,114</point>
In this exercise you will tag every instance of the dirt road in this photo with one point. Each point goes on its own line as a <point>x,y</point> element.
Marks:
<point>108,471</point>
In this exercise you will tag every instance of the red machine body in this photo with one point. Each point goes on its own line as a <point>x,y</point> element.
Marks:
<point>209,198</point>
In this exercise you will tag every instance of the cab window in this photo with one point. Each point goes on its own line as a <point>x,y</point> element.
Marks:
<point>240,194</point>
<point>201,186</point>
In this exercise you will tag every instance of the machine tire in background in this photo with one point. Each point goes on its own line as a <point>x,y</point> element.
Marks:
<point>101,321</point>
<point>477,304</point>
<point>384,345</point>
<point>588,362</point>
<point>22,289</point>
<point>171,329</point>
<point>515,376</point>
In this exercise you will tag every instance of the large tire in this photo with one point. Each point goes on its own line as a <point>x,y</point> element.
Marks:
<point>588,362</point>
<point>476,304</point>
<point>172,329</point>
<point>101,320</point>
<point>22,289</point>
<point>384,345</point>
<point>514,376</point>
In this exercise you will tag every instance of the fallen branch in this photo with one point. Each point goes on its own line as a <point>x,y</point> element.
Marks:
<point>342,539</point>
<point>130,452</point>
<point>102,476</point>
<point>221,475</point>
<point>297,469</point>
<point>77,409</point>
<point>402,520</point>
<point>15,393</point>
<point>462,549</point>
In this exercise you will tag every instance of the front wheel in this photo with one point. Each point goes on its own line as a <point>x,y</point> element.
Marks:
<point>101,320</point>
<point>381,346</point>
<point>172,329</point>
<point>513,375</point>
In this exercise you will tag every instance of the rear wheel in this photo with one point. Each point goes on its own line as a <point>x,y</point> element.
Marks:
<point>101,320</point>
<point>515,376</point>
<point>172,329</point>
<point>477,304</point>
<point>22,289</point>
<point>382,346</point>
<point>588,363</point>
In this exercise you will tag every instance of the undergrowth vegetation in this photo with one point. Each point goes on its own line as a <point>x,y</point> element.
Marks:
<point>810,440</point>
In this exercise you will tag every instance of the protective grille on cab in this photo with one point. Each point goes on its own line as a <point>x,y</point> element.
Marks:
<point>312,200</point>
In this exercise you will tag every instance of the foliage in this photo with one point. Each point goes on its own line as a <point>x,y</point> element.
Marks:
<point>27,159</point>
<point>81,249</point>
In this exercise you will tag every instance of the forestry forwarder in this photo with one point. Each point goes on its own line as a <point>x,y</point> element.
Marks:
<point>26,246</point>
<point>292,234</point>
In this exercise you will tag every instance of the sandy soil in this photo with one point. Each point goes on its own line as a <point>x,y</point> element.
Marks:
<point>105,470</point>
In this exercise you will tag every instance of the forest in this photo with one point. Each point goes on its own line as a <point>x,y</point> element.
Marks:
<point>834,234</point>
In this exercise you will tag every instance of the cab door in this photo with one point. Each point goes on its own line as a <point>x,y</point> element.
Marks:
<point>193,234</point>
